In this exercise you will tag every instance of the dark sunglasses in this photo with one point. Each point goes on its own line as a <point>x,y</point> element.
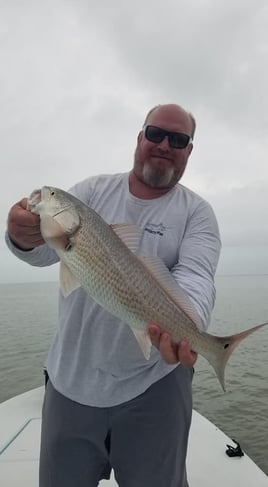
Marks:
<point>177,140</point>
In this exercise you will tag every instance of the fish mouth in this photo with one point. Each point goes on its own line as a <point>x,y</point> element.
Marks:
<point>37,198</point>
<point>34,200</point>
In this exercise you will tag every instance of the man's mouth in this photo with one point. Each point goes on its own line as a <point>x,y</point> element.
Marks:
<point>161,156</point>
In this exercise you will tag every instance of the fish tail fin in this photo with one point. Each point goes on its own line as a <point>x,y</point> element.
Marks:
<point>227,346</point>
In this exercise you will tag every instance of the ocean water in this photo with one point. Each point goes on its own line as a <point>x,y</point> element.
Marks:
<point>28,321</point>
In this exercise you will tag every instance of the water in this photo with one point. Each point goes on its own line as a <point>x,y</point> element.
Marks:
<point>28,320</point>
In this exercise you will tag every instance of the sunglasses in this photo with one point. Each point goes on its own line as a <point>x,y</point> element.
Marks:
<point>177,140</point>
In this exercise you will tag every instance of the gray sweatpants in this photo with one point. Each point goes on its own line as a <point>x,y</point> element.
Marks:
<point>144,440</point>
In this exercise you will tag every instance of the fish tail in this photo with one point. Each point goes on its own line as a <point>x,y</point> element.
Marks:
<point>227,346</point>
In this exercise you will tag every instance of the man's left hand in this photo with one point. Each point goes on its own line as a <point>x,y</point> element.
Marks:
<point>171,352</point>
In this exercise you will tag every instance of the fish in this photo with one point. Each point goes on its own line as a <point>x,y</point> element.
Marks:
<point>137,289</point>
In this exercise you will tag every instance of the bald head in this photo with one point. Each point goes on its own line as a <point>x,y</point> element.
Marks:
<point>175,111</point>
<point>159,163</point>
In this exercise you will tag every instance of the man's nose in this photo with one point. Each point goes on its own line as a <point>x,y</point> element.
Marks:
<point>164,144</point>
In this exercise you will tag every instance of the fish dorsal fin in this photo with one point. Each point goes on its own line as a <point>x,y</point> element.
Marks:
<point>129,234</point>
<point>68,283</point>
<point>144,341</point>
<point>162,275</point>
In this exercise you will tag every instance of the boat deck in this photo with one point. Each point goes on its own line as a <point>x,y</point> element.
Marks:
<point>207,463</point>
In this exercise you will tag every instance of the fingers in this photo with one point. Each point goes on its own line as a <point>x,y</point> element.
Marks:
<point>168,350</point>
<point>162,341</point>
<point>187,356</point>
<point>24,226</point>
<point>154,332</point>
<point>172,353</point>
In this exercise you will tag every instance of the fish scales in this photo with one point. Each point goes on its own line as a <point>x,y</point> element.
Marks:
<point>134,289</point>
<point>117,279</point>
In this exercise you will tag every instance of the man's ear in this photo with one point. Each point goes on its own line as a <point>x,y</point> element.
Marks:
<point>139,136</point>
<point>189,149</point>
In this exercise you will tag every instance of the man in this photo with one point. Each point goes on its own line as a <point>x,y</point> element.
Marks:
<point>105,405</point>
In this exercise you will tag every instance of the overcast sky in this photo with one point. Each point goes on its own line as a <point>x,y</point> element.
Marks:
<point>77,78</point>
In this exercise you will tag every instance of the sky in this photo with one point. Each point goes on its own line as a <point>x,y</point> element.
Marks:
<point>77,78</point>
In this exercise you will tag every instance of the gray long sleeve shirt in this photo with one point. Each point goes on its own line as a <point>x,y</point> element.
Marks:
<point>95,358</point>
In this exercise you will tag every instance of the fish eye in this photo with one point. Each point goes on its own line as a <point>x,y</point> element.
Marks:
<point>52,193</point>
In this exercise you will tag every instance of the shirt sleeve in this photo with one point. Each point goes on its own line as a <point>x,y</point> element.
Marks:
<point>40,256</point>
<point>198,258</point>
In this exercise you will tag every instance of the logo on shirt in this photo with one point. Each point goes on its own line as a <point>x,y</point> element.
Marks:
<point>155,229</point>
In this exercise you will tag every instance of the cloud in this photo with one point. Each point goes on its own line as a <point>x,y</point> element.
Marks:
<point>203,51</point>
<point>78,77</point>
<point>243,222</point>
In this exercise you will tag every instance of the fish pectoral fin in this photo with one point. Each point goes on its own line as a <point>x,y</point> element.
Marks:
<point>129,234</point>
<point>68,282</point>
<point>144,342</point>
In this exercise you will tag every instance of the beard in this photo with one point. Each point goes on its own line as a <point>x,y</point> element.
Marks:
<point>158,177</point>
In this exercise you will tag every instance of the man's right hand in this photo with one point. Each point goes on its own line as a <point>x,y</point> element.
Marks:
<point>23,226</point>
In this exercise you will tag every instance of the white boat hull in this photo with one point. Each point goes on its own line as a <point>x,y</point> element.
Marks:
<point>207,463</point>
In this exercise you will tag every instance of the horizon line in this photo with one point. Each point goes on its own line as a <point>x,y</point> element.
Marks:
<point>265,274</point>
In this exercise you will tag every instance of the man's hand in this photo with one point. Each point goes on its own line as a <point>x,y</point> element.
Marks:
<point>172,353</point>
<point>23,226</point>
